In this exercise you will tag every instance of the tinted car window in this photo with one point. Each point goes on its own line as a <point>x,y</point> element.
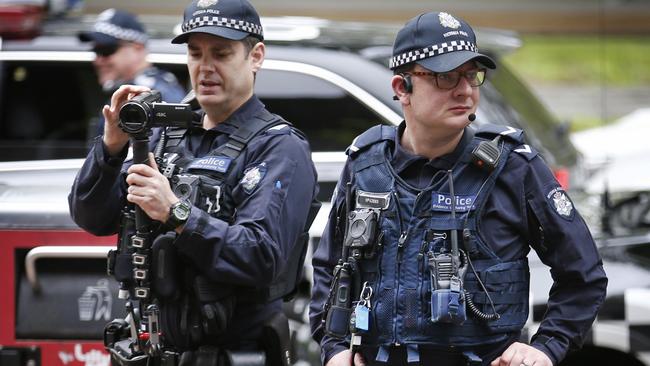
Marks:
<point>329,116</point>
<point>45,109</point>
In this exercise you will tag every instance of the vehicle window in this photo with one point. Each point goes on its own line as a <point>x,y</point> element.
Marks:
<point>45,109</point>
<point>498,110</point>
<point>329,116</point>
<point>534,115</point>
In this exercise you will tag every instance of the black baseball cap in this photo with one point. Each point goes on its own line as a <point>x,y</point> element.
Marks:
<point>438,42</point>
<point>113,26</point>
<point>231,19</point>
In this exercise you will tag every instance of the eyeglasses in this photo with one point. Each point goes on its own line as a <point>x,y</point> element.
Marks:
<point>449,80</point>
<point>106,50</point>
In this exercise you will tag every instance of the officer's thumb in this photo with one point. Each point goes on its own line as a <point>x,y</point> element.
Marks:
<point>359,360</point>
<point>152,161</point>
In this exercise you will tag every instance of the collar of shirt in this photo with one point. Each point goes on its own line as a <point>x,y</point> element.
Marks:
<point>203,141</point>
<point>408,165</point>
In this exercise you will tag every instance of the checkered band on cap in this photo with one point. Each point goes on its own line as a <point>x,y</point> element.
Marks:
<point>120,33</point>
<point>206,21</point>
<point>435,50</point>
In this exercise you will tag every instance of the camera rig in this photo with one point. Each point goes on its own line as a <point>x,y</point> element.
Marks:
<point>136,340</point>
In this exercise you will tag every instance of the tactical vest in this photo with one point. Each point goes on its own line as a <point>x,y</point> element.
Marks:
<point>195,310</point>
<point>414,223</point>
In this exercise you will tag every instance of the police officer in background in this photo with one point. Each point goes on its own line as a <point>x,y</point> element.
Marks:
<point>423,259</point>
<point>119,42</point>
<point>231,239</point>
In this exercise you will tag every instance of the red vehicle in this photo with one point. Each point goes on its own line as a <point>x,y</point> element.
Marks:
<point>57,296</point>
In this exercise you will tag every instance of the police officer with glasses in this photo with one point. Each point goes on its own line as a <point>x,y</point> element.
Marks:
<point>424,257</point>
<point>119,41</point>
<point>235,200</point>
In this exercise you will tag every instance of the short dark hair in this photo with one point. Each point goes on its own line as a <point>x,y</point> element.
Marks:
<point>249,42</point>
<point>404,68</point>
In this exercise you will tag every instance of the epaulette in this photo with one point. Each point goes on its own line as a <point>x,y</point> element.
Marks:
<point>371,136</point>
<point>490,131</point>
<point>526,151</point>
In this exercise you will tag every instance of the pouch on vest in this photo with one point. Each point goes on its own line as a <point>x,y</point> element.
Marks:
<point>337,322</point>
<point>447,294</point>
<point>164,273</point>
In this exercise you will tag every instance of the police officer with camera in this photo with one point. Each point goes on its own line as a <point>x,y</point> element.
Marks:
<point>119,41</point>
<point>231,196</point>
<point>423,260</point>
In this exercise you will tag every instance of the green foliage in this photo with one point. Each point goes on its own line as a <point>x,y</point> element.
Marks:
<point>580,123</point>
<point>583,60</point>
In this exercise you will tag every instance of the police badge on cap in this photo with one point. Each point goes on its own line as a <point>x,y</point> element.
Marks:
<point>438,42</point>
<point>230,19</point>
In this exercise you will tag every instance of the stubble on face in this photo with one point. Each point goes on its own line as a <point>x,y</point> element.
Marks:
<point>220,73</point>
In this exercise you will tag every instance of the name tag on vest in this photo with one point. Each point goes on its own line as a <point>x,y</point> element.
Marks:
<point>373,200</point>
<point>213,163</point>
<point>442,202</point>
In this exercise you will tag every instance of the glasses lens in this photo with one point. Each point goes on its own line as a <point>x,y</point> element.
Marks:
<point>105,50</point>
<point>449,80</point>
<point>475,77</point>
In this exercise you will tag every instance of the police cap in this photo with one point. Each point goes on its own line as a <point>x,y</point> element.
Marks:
<point>113,26</point>
<point>231,19</point>
<point>438,42</point>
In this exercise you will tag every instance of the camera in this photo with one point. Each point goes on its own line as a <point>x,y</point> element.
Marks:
<point>362,225</point>
<point>145,111</point>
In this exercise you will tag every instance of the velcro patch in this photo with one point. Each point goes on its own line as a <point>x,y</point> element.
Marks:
<point>442,202</point>
<point>213,163</point>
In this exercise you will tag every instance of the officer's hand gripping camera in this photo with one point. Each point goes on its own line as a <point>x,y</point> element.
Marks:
<point>145,111</point>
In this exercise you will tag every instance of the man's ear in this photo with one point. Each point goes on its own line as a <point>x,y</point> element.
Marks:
<point>257,56</point>
<point>400,89</point>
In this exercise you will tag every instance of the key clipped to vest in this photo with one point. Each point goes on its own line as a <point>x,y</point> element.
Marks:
<point>447,271</point>
<point>360,319</point>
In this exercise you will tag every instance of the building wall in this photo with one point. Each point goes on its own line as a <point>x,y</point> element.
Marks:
<point>585,16</point>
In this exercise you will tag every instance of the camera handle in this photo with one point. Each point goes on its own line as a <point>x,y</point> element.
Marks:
<point>140,145</point>
<point>142,243</point>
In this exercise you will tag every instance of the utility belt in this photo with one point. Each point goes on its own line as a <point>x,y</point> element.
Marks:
<point>204,356</point>
<point>273,349</point>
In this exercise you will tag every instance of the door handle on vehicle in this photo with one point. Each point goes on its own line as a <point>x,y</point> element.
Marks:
<point>59,252</point>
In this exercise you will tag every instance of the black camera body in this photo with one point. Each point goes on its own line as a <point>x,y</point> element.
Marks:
<point>362,226</point>
<point>145,111</point>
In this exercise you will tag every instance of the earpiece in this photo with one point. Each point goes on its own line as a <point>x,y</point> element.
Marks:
<point>408,85</point>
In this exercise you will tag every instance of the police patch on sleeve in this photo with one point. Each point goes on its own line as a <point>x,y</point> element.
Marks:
<point>561,203</point>
<point>252,177</point>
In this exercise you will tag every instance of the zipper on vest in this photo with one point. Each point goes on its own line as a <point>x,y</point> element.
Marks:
<point>400,246</point>
<point>397,269</point>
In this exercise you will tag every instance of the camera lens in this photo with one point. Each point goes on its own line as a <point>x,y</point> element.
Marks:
<point>133,118</point>
<point>357,228</point>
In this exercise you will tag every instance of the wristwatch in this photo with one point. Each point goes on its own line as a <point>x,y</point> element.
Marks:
<point>178,214</point>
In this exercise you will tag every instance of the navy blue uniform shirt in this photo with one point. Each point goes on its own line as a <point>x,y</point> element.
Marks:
<point>269,217</point>
<point>517,211</point>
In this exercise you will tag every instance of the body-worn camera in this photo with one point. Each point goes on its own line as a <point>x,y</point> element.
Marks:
<point>145,111</point>
<point>362,226</point>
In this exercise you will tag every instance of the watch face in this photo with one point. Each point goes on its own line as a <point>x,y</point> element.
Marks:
<point>182,211</point>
